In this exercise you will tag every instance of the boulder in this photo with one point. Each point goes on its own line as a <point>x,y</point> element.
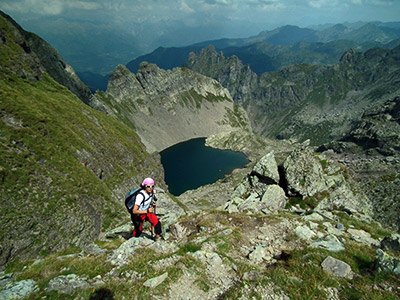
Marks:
<point>274,198</point>
<point>16,290</point>
<point>259,254</point>
<point>267,169</point>
<point>122,255</point>
<point>304,173</point>
<point>337,268</point>
<point>67,284</point>
<point>363,237</point>
<point>305,233</point>
<point>329,242</point>
<point>391,243</point>
<point>386,263</point>
<point>154,282</point>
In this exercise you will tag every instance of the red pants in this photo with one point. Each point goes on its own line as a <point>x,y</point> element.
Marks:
<point>138,223</point>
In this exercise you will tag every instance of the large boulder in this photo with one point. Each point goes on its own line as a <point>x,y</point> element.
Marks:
<point>259,190</point>
<point>304,173</point>
<point>312,175</point>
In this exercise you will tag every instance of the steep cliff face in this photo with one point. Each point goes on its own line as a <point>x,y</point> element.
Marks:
<point>168,107</point>
<point>64,167</point>
<point>48,58</point>
<point>306,101</point>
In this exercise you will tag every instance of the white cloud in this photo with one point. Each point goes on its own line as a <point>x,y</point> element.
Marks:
<point>186,8</point>
<point>46,7</point>
<point>86,5</point>
<point>382,2</point>
<point>317,3</point>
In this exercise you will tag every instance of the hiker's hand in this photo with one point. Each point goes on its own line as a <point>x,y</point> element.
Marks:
<point>150,209</point>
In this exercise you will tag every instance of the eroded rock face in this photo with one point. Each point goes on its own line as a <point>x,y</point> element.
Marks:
<point>306,101</point>
<point>169,106</point>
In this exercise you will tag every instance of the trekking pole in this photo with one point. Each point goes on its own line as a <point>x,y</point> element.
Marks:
<point>154,212</point>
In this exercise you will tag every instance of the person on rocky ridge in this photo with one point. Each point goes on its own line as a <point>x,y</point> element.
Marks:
<point>144,209</point>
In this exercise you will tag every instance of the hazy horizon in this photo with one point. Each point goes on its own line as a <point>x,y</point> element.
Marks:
<point>126,29</point>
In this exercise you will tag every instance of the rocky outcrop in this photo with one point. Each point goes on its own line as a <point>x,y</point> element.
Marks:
<point>371,153</point>
<point>379,128</point>
<point>168,107</point>
<point>251,144</point>
<point>239,79</point>
<point>313,179</point>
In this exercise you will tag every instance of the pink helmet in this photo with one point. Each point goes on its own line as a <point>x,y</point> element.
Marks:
<point>147,180</point>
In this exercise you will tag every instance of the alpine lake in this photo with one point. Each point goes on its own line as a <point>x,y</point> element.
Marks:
<point>191,164</point>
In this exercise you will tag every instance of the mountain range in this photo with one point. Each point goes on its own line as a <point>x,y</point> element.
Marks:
<point>322,183</point>
<point>271,50</point>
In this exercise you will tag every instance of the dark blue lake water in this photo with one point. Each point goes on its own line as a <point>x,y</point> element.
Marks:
<point>191,164</point>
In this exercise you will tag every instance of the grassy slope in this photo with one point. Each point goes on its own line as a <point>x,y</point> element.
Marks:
<point>64,167</point>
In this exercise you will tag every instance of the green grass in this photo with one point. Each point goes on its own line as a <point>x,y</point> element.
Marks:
<point>43,177</point>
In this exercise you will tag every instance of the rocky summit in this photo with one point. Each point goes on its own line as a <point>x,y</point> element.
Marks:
<point>168,107</point>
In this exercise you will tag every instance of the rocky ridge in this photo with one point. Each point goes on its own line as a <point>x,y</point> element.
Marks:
<point>168,107</point>
<point>371,153</point>
<point>42,58</point>
<point>306,101</point>
<point>283,249</point>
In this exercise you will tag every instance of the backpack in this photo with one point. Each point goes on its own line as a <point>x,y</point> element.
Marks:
<point>130,199</point>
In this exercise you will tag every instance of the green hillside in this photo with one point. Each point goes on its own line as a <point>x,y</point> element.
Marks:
<point>64,167</point>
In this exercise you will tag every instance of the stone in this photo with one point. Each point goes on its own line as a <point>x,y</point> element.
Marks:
<point>329,242</point>
<point>93,249</point>
<point>304,173</point>
<point>231,208</point>
<point>153,282</point>
<point>337,268</point>
<point>274,198</point>
<point>391,243</point>
<point>124,231</point>
<point>363,237</point>
<point>178,232</point>
<point>385,262</point>
<point>67,284</point>
<point>305,233</point>
<point>260,254</point>
<point>122,255</point>
<point>313,217</point>
<point>16,290</point>
<point>267,169</point>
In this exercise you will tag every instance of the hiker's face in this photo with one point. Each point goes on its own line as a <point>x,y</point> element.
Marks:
<point>149,187</point>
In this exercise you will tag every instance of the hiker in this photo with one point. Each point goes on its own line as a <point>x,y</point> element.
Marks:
<point>144,209</point>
